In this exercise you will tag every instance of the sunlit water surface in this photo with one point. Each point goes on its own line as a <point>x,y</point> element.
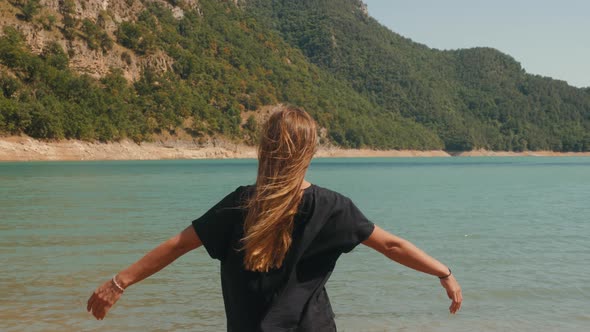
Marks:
<point>516,232</point>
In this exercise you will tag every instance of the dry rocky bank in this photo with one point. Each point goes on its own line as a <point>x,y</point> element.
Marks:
<point>22,148</point>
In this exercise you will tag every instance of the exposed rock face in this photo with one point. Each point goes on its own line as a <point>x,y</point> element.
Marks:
<point>160,61</point>
<point>123,10</point>
<point>120,10</point>
<point>97,63</point>
<point>107,14</point>
<point>363,8</point>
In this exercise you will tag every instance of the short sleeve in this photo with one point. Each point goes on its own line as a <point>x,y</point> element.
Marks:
<point>349,225</point>
<point>216,226</point>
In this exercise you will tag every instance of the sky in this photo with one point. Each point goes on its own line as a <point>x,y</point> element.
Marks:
<point>548,37</point>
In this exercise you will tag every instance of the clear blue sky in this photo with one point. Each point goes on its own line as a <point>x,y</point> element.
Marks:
<point>548,37</point>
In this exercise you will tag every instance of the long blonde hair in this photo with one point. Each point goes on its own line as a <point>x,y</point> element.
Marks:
<point>288,142</point>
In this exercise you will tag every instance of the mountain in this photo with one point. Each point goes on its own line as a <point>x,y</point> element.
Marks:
<point>109,70</point>
<point>471,98</point>
<point>112,70</point>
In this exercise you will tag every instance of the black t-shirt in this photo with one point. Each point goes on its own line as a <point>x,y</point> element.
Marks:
<point>293,297</point>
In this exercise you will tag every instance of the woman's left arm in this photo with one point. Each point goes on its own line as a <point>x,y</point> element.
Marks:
<point>406,253</point>
<point>105,296</point>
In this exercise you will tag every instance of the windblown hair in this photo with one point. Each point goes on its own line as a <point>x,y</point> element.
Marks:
<point>288,142</point>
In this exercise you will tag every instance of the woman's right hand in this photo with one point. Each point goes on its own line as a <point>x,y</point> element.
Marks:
<point>453,289</point>
<point>103,298</point>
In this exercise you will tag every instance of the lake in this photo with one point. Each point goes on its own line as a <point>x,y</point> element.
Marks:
<point>515,231</point>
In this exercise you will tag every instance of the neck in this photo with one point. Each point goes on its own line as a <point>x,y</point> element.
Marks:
<point>305,184</point>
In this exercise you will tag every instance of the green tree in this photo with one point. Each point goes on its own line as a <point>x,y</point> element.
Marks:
<point>29,9</point>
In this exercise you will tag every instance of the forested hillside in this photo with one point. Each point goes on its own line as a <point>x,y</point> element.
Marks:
<point>472,98</point>
<point>135,68</point>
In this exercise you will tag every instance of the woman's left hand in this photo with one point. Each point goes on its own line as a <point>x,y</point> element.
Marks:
<point>453,289</point>
<point>103,298</point>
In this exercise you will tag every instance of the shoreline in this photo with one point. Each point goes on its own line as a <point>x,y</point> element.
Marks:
<point>540,153</point>
<point>22,148</point>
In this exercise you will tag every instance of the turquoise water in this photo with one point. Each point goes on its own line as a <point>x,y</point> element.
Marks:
<point>515,231</point>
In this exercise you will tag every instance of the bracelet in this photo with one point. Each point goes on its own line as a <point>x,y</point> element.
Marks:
<point>117,284</point>
<point>448,275</point>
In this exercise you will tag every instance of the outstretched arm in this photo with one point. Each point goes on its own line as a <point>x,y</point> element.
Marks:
<point>105,296</point>
<point>405,253</point>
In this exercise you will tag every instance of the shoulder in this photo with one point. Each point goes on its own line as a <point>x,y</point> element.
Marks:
<point>245,189</point>
<point>337,205</point>
<point>242,193</point>
<point>236,198</point>
<point>329,192</point>
<point>328,197</point>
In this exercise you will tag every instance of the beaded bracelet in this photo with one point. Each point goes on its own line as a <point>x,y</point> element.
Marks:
<point>448,275</point>
<point>117,284</point>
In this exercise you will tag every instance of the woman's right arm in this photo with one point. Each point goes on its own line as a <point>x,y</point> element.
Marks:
<point>405,253</point>
<point>105,296</point>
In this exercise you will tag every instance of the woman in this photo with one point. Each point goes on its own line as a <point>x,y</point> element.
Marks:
<point>278,241</point>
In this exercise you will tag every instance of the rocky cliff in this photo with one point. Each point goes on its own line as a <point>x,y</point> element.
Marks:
<point>86,30</point>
